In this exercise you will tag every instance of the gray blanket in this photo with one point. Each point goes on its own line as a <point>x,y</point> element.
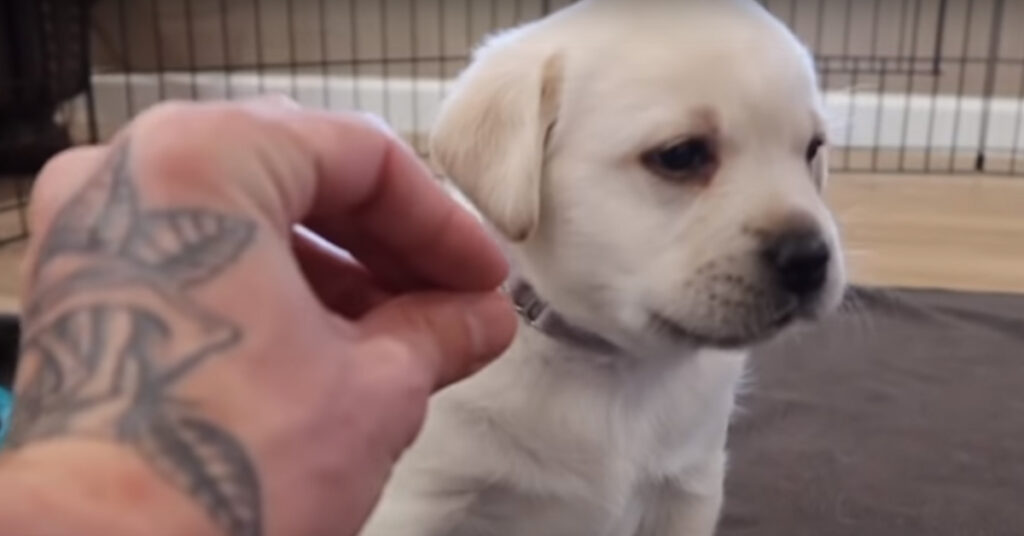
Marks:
<point>903,415</point>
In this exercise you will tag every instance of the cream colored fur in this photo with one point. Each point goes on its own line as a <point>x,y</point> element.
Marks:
<point>544,134</point>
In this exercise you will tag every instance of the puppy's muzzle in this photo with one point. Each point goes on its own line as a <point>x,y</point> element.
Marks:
<point>798,260</point>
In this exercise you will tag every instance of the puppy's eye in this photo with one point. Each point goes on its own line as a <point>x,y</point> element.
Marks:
<point>690,158</point>
<point>814,148</point>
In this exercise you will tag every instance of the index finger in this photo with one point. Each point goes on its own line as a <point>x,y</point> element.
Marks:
<point>371,184</point>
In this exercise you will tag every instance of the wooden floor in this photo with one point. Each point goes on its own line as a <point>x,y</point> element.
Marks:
<point>960,233</point>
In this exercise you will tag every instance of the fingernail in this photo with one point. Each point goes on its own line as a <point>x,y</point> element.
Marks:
<point>492,324</point>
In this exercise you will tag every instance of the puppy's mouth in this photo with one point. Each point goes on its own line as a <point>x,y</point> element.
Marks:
<point>675,330</point>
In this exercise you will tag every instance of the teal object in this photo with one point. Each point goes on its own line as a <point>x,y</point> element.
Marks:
<point>6,406</point>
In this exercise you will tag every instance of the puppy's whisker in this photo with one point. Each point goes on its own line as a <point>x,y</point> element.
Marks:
<point>854,307</point>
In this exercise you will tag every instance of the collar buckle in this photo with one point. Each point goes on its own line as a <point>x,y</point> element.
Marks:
<point>536,313</point>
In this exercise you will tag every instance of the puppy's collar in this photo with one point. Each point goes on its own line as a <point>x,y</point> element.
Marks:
<point>538,315</point>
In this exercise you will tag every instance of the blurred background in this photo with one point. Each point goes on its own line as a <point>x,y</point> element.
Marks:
<point>926,99</point>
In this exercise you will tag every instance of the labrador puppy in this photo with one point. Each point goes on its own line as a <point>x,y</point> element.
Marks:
<point>655,168</point>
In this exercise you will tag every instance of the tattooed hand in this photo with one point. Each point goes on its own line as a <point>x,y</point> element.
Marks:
<point>195,361</point>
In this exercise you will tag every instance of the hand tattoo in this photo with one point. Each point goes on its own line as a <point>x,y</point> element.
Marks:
<point>111,331</point>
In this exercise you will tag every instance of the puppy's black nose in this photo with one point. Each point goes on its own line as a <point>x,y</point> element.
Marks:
<point>799,260</point>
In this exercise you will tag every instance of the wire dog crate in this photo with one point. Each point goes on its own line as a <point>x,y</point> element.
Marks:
<point>43,63</point>
<point>932,86</point>
<point>920,86</point>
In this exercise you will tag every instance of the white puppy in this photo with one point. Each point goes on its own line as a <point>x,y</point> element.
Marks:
<point>656,168</point>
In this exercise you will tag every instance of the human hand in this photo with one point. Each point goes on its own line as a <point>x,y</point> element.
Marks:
<point>263,382</point>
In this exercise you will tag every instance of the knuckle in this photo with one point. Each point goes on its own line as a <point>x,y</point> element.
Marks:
<point>168,134</point>
<point>183,142</point>
<point>165,114</point>
<point>371,122</point>
<point>60,178</point>
<point>281,100</point>
<point>398,371</point>
<point>393,384</point>
<point>194,125</point>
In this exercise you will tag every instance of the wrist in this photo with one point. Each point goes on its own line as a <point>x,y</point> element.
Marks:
<point>90,488</point>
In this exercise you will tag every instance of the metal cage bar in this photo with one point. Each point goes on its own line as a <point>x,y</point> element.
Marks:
<point>912,86</point>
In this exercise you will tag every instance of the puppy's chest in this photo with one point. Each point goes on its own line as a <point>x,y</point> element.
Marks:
<point>588,458</point>
<point>626,444</point>
<point>607,438</point>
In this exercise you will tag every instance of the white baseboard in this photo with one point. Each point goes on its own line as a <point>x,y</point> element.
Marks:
<point>892,121</point>
<point>859,119</point>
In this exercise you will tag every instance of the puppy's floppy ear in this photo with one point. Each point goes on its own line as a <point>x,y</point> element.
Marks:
<point>491,133</point>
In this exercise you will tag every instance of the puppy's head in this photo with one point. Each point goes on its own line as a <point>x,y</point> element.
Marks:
<point>656,167</point>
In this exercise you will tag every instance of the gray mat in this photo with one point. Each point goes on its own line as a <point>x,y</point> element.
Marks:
<point>903,415</point>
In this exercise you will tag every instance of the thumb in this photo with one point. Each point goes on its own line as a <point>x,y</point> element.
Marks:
<point>450,335</point>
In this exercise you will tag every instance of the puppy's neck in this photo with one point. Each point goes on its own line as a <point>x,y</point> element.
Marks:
<point>566,336</point>
<point>554,336</point>
<point>536,313</point>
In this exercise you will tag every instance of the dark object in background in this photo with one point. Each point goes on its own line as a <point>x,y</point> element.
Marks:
<point>10,332</point>
<point>9,341</point>
<point>44,61</point>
